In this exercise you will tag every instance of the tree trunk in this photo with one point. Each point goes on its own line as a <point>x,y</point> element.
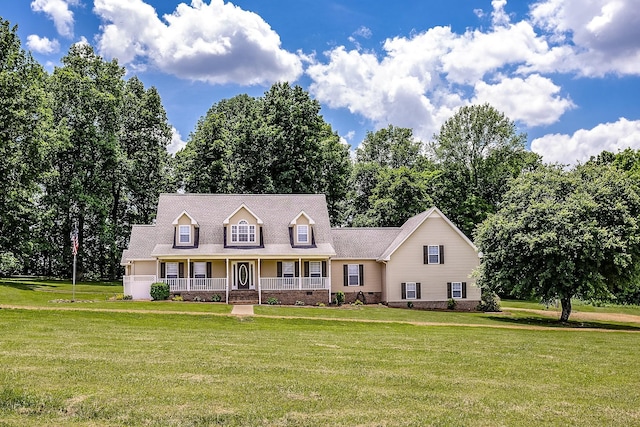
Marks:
<point>566,309</point>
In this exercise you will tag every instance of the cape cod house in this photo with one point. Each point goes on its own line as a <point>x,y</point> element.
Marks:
<point>249,248</point>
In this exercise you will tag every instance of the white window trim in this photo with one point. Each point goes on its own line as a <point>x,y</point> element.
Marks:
<point>288,269</point>
<point>437,254</point>
<point>235,232</point>
<point>315,268</point>
<point>350,274</point>
<point>414,290</point>
<point>299,228</point>
<point>200,270</point>
<point>453,286</point>
<point>180,234</point>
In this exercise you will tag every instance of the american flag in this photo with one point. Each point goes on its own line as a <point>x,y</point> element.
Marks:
<point>74,242</point>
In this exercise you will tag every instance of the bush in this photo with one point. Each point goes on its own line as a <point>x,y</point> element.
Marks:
<point>300,302</point>
<point>122,297</point>
<point>358,302</point>
<point>321,304</point>
<point>216,298</point>
<point>339,298</point>
<point>159,291</point>
<point>198,298</point>
<point>272,301</point>
<point>177,298</point>
<point>127,297</point>
<point>409,304</point>
<point>451,304</point>
<point>490,301</point>
<point>9,264</point>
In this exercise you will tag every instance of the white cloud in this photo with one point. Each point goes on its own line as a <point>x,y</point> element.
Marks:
<point>216,42</point>
<point>59,12</point>
<point>579,147</point>
<point>177,143</point>
<point>533,100</point>
<point>42,44</point>
<point>598,36</point>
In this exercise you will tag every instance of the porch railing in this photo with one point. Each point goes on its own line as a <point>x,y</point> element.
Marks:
<point>293,283</point>
<point>196,284</point>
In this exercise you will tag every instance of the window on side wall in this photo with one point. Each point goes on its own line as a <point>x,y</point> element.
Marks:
<point>456,290</point>
<point>411,290</point>
<point>354,274</point>
<point>434,254</point>
<point>184,232</point>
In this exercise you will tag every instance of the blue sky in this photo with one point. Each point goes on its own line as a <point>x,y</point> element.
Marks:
<point>567,71</point>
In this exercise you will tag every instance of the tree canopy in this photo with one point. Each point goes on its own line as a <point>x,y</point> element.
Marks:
<point>563,234</point>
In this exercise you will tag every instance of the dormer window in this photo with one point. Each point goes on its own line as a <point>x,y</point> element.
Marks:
<point>303,233</point>
<point>185,234</point>
<point>243,232</point>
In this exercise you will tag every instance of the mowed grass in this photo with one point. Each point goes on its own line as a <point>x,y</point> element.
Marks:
<point>83,368</point>
<point>191,364</point>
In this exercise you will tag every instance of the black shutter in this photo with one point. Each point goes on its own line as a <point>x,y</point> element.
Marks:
<point>297,268</point>
<point>279,269</point>
<point>174,235</point>
<point>306,269</point>
<point>209,269</point>
<point>163,270</point>
<point>261,237</point>
<point>464,289</point>
<point>403,286</point>
<point>441,254</point>
<point>324,268</point>
<point>361,275</point>
<point>191,273</point>
<point>313,237</point>
<point>425,254</point>
<point>418,296</point>
<point>291,236</point>
<point>448,290</point>
<point>181,270</point>
<point>196,238</point>
<point>345,270</point>
<point>224,235</point>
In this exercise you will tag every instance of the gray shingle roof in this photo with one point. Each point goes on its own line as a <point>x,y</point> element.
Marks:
<point>362,242</point>
<point>210,210</point>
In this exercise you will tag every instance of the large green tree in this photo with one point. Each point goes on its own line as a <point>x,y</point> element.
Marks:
<point>478,150</point>
<point>25,120</point>
<point>564,234</point>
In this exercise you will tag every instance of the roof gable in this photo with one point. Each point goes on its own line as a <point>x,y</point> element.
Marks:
<point>302,213</point>
<point>185,213</point>
<point>242,206</point>
<point>412,224</point>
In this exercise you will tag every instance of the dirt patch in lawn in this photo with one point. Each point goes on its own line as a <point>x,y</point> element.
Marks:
<point>583,315</point>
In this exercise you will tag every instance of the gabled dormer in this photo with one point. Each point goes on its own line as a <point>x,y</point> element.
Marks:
<point>243,229</point>
<point>186,231</point>
<point>301,231</point>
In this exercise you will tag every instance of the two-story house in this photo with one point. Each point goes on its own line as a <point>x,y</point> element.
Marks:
<point>248,248</point>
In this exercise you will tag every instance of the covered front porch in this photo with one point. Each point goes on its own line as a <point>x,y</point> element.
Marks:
<point>235,280</point>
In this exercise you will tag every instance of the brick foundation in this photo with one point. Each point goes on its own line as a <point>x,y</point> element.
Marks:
<point>290,297</point>
<point>204,296</point>
<point>365,297</point>
<point>461,305</point>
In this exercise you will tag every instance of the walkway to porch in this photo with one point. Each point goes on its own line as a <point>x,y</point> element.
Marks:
<point>242,310</point>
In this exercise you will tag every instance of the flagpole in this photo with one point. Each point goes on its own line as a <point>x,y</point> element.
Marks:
<point>73,286</point>
<point>74,251</point>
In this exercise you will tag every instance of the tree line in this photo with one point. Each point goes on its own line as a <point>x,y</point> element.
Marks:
<point>85,148</point>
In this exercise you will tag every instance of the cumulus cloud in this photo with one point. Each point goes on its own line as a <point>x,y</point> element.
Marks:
<point>42,44</point>
<point>59,12</point>
<point>533,100</point>
<point>177,143</point>
<point>216,42</point>
<point>597,36</point>
<point>579,147</point>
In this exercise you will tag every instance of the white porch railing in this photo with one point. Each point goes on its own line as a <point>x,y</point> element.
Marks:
<point>293,283</point>
<point>197,284</point>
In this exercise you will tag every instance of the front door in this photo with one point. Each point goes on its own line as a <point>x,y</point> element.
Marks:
<point>243,277</point>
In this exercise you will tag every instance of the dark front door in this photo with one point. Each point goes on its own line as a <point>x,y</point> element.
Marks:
<point>243,276</point>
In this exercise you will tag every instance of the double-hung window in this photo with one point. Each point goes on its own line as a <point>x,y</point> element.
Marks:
<point>411,290</point>
<point>172,270</point>
<point>288,269</point>
<point>434,254</point>
<point>184,232</point>
<point>303,233</point>
<point>456,290</point>
<point>354,275</point>
<point>200,270</point>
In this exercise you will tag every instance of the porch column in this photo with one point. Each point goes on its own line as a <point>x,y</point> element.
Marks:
<point>300,273</point>
<point>328,279</point>
<point>226,261</point>
<point>157,270</point>
<point>259,283</point>
<point>188,274</point>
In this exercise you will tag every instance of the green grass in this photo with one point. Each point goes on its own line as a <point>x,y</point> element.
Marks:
<point>576,306</point>
<point>81,368</point>
<point>145,367</point>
